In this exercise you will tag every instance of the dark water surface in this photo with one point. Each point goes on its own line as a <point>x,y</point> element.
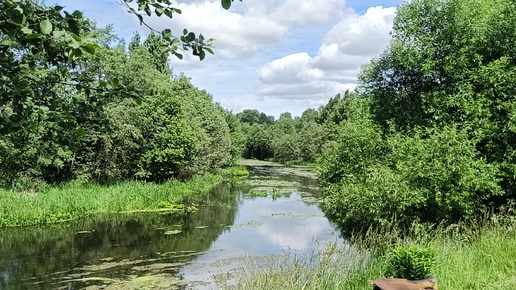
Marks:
<point>162,251</point>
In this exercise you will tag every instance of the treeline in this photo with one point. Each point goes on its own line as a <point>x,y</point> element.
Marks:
<point>115,114</point>
<point>293,139</point>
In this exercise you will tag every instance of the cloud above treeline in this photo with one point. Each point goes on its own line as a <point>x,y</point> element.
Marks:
<point>292,54</point>
<point>350,41</point>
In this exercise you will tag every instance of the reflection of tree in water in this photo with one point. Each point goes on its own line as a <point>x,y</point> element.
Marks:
<point>41,256</point>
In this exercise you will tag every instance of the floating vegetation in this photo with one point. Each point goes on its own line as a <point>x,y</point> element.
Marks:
<point>172,232</point>
<point>247,224</point>
<point>276,193</point>
<point>239,172</point>
<point>271,183</point>
<point>148,282</point>
<point>257,192</point>
<point>297,216</point>
<point>311,199</point>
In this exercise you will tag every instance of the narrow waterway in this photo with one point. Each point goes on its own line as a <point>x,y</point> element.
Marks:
<point>272,212</point>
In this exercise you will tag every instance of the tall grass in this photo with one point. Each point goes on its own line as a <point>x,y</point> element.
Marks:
<point>481,256</point>
<point>75,199</point>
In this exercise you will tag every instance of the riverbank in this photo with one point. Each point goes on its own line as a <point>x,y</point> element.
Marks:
<point>467,257</point>
<point>75,199</point>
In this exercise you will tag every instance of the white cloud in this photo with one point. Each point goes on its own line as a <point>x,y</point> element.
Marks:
<point>248,25</point>
<point>348,45</point>
<point>270,55</point>
<point>302,12</point>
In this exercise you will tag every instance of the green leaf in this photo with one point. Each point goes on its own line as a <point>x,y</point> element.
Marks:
<point>168,13</point>
<point>32,36</point>
<point>178,55</point>
<point>226,4</point>
<point>27,30</point>
<point>43,110</point>
<point>45,26</point>
<point>148,10</point>
<point>58,33</point>
<point>167,33</point>
<point>79,131</point>
<point>115,82</point>
<point>89,47</point>
<point>76,37</point>
<point>138,101</point>
<point>13,22</point>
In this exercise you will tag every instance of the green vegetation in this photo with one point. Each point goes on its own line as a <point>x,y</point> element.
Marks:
<point>427,138</point>
<point>410,262</point>
<point>258,193</point>
<point>465,259</point>
<point>299,140</point>
<point>430,135</point>
<point>76,199</point>
<point>238,171</point>
<point>89,124</point>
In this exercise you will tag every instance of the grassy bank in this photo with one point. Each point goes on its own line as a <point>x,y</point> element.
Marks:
<point>467,258</point>
<point>75,199</point>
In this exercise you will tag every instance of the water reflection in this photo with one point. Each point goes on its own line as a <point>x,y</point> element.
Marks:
<point>111,246</point>
<point>266,225</point>
<point>165,250</point>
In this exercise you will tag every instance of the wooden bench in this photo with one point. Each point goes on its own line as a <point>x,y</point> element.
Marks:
<point>429,283</point>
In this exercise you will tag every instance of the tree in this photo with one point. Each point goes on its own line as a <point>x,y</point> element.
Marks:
<point>441,70</point>
<point>42,47</point>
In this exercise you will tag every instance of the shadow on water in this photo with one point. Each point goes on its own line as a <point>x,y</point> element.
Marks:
<point>163,251</point>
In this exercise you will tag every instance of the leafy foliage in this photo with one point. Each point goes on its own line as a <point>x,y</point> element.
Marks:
<point>434,140</point>
<point>410,262</point>
<point>111,116</point>
<point>441,70</point>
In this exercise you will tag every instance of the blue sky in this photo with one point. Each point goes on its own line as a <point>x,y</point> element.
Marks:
<point>270,55</point>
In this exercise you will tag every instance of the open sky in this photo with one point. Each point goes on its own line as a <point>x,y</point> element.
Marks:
<point>270,55</point>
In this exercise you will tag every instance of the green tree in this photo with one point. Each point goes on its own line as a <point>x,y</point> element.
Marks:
<point>442,70</point>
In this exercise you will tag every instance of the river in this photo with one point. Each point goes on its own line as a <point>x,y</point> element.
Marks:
<point>272,212</point>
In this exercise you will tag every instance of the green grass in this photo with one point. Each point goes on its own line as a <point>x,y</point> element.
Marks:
<point>468,257</point>
<point>76,199</point>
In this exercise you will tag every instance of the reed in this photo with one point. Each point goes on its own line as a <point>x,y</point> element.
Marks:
<point>468,256</point>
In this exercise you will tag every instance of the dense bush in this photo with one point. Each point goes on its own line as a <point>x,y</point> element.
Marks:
<point>431,176</point>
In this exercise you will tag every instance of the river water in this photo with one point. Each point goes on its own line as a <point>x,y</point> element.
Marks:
<point>272,212</point>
